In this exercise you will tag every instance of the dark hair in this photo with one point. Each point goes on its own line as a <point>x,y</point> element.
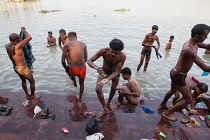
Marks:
<point>171,37</point>
<point>199,29</point>
<point>155,27</point>
<point>116,44</point>
<point>49,32</point>
<point>14,37</point>
<point>203,87</point>
<point>62,31</point>
<point>126,70</point>
<point>72,34</point>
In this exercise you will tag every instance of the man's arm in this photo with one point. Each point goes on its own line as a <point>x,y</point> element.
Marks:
<point>199,61</point>
<point>203,45</point>
<point>59,43</point>
<point>144,43</point>
<point>85,53</point>
<point>64,54</point>
<point>23,43</point>
<point>158,42</point>
<point>94,58</point>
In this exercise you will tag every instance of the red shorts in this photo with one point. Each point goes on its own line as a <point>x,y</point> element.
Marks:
<point>80,72</point>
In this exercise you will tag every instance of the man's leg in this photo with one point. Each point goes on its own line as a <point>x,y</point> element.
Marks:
<point>31,80</point>
<point>24,86</point>
<point>115,82</point>
<point>101,97</point>
<point>141,62</point>
<point>172,91</point>
<point>81,88</point>
<point>146,62</point>
<point>187,98</point>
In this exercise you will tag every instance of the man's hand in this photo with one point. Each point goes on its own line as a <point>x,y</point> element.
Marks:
<point>67,69</point>
<point>103,82</point>
<point>99,70</point>
<point>23,29</point>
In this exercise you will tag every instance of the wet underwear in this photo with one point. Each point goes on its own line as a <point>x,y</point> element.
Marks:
<point>178,77</point>
<point>22,70</point>
<point>109,72</point>
<point>80,72</point>
<point>146,52</point>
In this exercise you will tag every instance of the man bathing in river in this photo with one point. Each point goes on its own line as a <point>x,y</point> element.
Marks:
<point>15,53</point>
<point>148,45</point>
<point>113,60</point>
<point>77,52</point>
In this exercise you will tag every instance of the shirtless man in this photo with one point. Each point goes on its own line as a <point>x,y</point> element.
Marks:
<point>78,56</point>
<point>51,40</point>
<point>62,38</point>
<point>131,90</point>
<point>147,49</point>
<point>113,60</point>
<point>187,57</point>
<point>194,85</point>
<point>14,50</point>
<point>169,44</point>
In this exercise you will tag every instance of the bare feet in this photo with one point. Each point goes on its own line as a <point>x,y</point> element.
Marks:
<point>163,106</point>
<point>37,97</point>
<point>111,109</point>
<point>170,117</point>
<point>79,99</point>
<point>101,114</point>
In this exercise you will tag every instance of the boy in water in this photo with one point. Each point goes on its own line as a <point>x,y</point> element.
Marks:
<point>169,44</point>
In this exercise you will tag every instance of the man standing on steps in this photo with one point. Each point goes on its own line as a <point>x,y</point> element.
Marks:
<point>113,60</point>
<point>15,53</point>
<point>147,47</point>
<point>77,52</point>
<point>187,58</point>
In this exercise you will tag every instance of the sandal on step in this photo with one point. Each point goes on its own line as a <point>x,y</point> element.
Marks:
<point>193,123</point>
<point>51,114</point>
<point>186,119</point>
<point>44,113</point>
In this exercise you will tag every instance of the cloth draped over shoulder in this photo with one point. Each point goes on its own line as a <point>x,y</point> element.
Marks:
<point>27,51</point>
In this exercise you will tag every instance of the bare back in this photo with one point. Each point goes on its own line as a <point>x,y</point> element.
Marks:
<point>77,53</point>
<point>134,87</point>
<point>15,55</point>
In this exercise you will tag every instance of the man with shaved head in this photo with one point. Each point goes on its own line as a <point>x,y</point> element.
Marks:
<point>15,53</point>
<point>77,52</point>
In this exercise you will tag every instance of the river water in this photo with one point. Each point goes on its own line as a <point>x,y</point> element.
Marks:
<point>96,23</point>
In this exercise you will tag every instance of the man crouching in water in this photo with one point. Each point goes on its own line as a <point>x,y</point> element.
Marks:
<point>15,53</point>
<point>113,60</point>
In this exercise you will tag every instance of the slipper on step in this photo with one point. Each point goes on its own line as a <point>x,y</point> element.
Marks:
<point>193,123</point>
<point>132,110</point>
<point>186,119</point>
<point>44,113</point>
<point>51,114</point>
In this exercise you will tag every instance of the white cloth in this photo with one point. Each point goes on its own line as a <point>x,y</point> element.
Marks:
<point>96,136</point>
